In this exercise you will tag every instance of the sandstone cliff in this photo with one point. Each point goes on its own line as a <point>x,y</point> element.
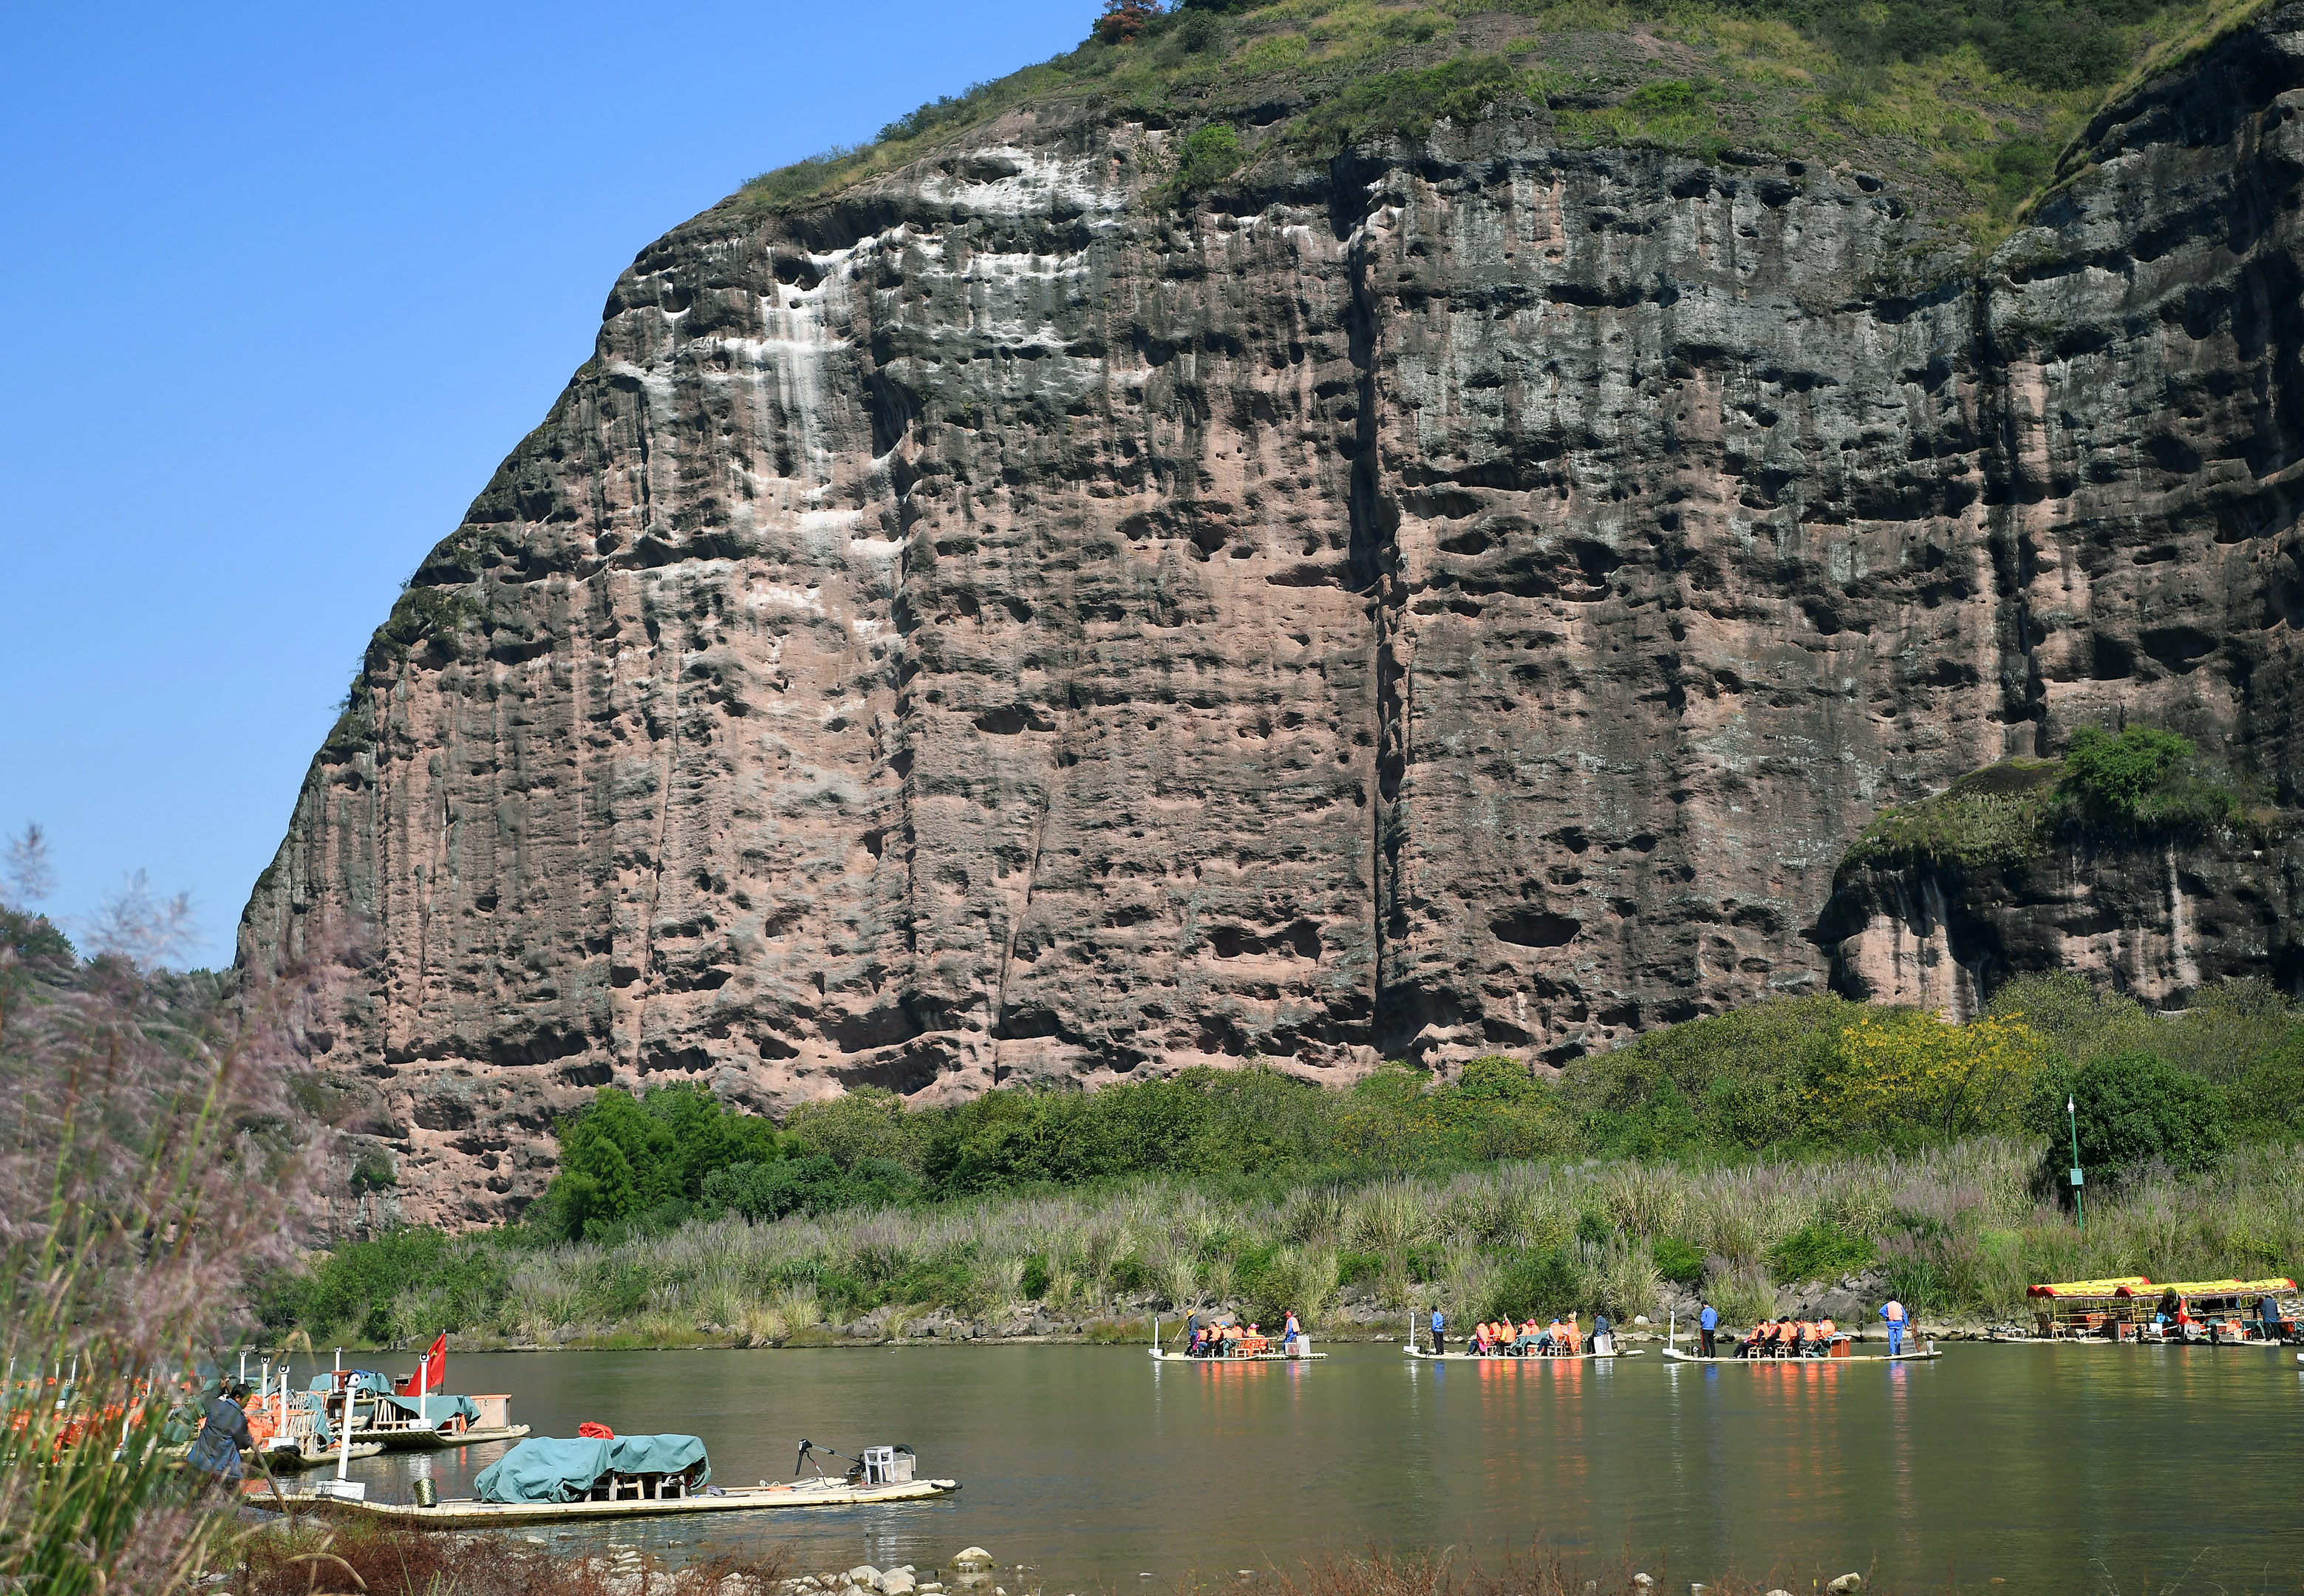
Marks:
<point>1001,624</point>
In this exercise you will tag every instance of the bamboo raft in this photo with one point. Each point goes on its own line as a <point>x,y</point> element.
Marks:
<point>1675,1355</point>
<point>1422,1356</point>
<point>824,1492</point>
<point>1159,1356</point>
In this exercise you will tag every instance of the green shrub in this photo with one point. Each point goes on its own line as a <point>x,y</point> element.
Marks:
<point>1534,1284</point>
<point>1035,1284</point>
<point>2113,774</point>
<point>2135,1111</point>
<point>1352,1268</point>
<point>1677,1261</point>
<point>1210,155</point>
<point>622,1156</point>
<point>1820,1250</point>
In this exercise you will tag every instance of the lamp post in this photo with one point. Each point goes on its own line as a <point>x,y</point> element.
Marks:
<point>2080,1209</point>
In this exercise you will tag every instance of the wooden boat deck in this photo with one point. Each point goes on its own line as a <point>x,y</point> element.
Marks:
<point>803,1493</point>
<point>1254,1358</point>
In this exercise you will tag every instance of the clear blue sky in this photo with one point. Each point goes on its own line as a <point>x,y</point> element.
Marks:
<point>285,283</point>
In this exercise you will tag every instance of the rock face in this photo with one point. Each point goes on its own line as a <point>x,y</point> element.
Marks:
<point>1005,625</point>
<point>2153,916</point>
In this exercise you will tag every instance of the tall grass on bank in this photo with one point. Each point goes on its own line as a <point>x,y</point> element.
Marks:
<point>1953,1230</point>
<point>152,1155</point>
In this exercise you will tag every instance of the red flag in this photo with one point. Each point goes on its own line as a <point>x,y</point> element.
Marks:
<point>432,1368</point>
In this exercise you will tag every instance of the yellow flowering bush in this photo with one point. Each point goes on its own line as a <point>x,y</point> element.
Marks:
<point>1904,1068</point>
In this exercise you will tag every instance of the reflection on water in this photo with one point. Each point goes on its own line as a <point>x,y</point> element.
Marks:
<point>2067,1467</point>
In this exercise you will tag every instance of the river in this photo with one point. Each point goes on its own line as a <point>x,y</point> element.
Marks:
<point>2101,1468</point>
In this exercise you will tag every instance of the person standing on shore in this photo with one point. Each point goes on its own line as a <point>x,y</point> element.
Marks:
<point>1708,1323</point>
<point>1439,1339</point>
<point>1893,1311</point>
<point>223,1435</point>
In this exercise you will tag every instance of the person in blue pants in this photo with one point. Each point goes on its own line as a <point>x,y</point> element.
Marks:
<point>1893,1311</point>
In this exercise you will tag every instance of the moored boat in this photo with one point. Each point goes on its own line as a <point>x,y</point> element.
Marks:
<point>2079,1311</point>
<point>547,1480</point>
<point>2216,1313</point>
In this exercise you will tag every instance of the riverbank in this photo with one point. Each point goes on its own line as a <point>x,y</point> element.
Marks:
<point>1955,1232</point>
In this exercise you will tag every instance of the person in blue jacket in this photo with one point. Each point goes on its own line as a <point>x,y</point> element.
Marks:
<point>1893,1311</point>
<point>1439,1342</point>
<point>1707,1323</point>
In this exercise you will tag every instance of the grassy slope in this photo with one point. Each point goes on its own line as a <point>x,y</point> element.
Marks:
<point>1845,84</point>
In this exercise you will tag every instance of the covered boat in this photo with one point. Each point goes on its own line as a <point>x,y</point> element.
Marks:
<point>2081,1310</point>
<point>648,1476</point>
<point>624,1468</point>
<point>2228,1313</point>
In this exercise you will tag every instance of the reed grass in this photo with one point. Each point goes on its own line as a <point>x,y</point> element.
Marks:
<point>1956,1230</point>
<point>155,1160</point>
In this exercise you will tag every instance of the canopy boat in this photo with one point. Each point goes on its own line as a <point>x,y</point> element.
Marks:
<point>2216,1313</point>
<point>435,1422</point>
<point>2079,1311</point>
<point>543,1480</point>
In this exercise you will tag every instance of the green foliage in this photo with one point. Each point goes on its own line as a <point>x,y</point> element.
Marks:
<point>805,1183</point>
<point>2135,1111</point>
<point>1820,1250</point>
<point>1210,153</point>
<point>1536,1283</point>
<point>1677,1261</point>
<point>1997,815</point>
<point>1035,1285</point>
<point>2006,813</point>
<point>1406,103</point>
<point>31,937</point>
<point>372,1287</point>
<point>622,1157</point>
<point>2113,776</point>
<point>2147,779</point>
<point>373,1171</point>
<point>1957,100</point>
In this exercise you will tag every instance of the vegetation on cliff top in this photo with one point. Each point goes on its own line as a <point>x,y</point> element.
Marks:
<point>2139,781</point>
<point>1962,104</point>
<point>1709,1150</point>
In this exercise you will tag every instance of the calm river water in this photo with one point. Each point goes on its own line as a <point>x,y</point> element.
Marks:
<point>2103,1468</point>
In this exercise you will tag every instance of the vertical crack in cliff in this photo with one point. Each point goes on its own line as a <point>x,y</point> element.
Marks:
<point>1371,561</point>
<point>655,877</point>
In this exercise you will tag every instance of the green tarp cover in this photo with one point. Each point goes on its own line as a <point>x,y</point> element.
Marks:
<point>659,1455</point>
<point>363,1379</point>
<point>543,1470</point>
<point>438,1408</point>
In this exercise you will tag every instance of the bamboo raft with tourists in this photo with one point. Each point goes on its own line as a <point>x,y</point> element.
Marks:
<point>606,1476</point>
<point>1220,1339</point>
<point>1561,1341</point>
<point>1802,1342</point>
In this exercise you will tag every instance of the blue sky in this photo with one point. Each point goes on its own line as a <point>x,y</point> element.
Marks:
<point>285,283</point>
